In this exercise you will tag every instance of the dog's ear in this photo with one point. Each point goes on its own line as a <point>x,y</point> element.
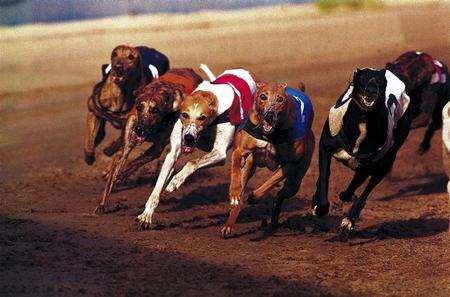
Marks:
<point>261,84</point>
<point>210,100</point>
<point>177,99</point>
<point>282,86</point>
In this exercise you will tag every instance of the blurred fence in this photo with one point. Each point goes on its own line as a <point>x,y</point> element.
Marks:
<point>47,56</point>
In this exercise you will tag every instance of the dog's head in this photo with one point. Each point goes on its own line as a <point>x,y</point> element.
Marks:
<point>153,103</point>
<point>369,87</point>
<point>198,110</point>
<point>270,105</point>
<point>125,63</point>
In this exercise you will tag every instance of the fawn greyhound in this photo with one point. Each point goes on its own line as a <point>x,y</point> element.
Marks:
<point>276,134</point>
<point>113,97</point>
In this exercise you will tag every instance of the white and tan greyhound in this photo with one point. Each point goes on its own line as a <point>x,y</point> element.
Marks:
<point>213,110</point>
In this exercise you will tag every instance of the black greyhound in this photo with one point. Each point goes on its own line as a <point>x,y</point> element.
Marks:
<point>364,130</point>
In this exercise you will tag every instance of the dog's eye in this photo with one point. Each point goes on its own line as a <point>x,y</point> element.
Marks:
<point>202,118</point>
<point>113,54</point>
<point>155,110</point>
<point>280,99</point>
<point>185,115</point>
<point>130,57</point>
<point>263,97</point>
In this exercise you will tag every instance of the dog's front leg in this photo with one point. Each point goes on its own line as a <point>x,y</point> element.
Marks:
<point>241,168</point>
<point>224,138</point>
<point>149,155</point>
<point>320,202</point>
<point>113,147</point>
<point>145,218</point>
<point>117,164</point>
<point>95,134</point>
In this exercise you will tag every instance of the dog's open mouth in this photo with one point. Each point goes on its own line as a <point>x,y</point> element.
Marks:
<point>368,102</point>
<point>188,147</point>
<point>267,128</point>
<point>119,78</point>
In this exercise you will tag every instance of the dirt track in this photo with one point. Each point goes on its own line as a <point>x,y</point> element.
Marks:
<point>51,244</point>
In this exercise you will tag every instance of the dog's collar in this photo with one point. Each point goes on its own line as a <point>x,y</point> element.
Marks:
<point>281,136</point>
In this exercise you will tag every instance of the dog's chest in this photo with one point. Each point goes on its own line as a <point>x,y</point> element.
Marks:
<point>113,99</point>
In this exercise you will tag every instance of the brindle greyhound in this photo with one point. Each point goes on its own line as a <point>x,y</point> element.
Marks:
<point>112,98</point>
<point>364,130</point>
<point>277,134</point>
<point>428,85</point>
<point>151,120</point>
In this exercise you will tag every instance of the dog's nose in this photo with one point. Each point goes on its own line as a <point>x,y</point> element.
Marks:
<point>189,138</point>
<point>118,67</point>
<point>139,129</point>
<point>270,117</point>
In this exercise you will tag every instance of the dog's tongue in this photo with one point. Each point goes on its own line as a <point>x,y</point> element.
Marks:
<point>187,149</point>
<point>266,127</point>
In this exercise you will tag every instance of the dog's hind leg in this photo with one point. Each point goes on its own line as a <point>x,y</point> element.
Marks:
<point>294,172</point>
<point>435,122</point>
<point>348,223</point>
<point>95,135</point>
<point>113,147</point>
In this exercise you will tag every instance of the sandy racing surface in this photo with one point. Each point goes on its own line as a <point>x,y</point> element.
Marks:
<point>52,245</point>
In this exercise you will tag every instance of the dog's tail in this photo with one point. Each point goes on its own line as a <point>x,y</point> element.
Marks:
<point>302,86</point>
<point>208,72</point>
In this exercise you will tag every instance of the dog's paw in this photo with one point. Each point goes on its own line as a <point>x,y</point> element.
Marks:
<point>101,209</point>
<point>144,222</point>
<point>226,231</point>
<point>345,229</point>
<point>353,163</point>
<point>89,158</point>
<point>109,151</point>
<point>321,210</point>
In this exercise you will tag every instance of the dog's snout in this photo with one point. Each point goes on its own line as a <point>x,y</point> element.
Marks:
<point>118,67</point>
<point>139,129</point>
<point>189,137</point>
<point>270,117</point>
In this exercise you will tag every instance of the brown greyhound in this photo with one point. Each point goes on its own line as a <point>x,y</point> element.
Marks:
<point>113,97</point>
<point>151,120</point>
<point>277,134</point>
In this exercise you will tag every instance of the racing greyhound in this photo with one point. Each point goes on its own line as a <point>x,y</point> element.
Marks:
<point>364,130</point>
<point>213,110</point>
<point>113,97</point>
<point>276,134</point>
